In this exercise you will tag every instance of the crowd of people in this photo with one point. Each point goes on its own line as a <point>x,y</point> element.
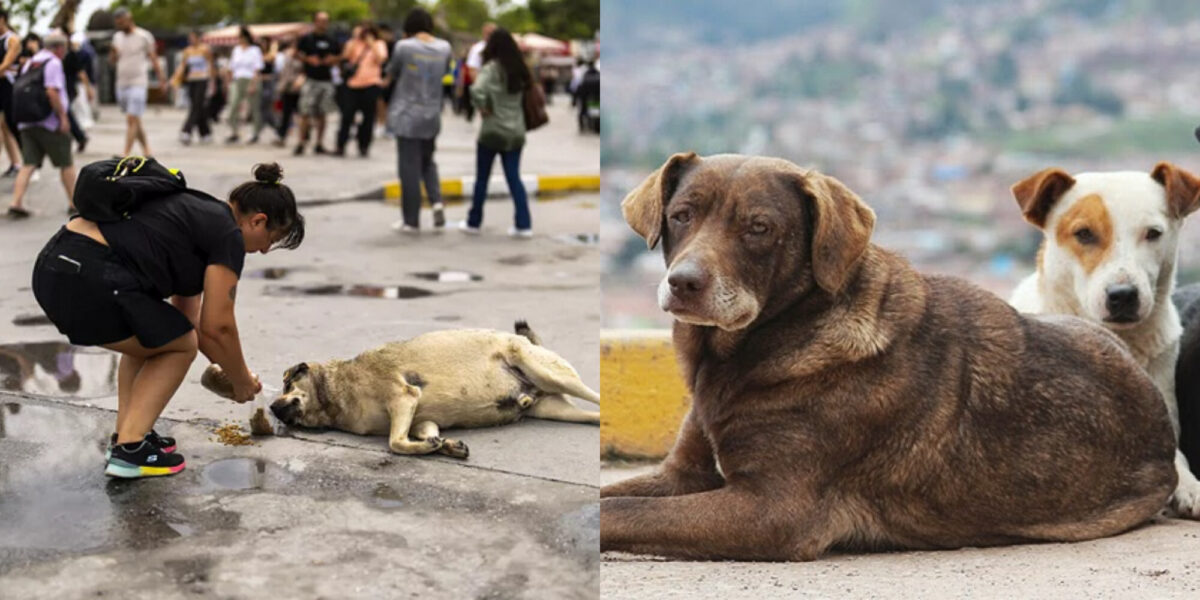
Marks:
<point>380,83</point>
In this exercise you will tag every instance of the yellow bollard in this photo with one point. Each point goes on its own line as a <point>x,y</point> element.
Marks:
<point>644,395</point>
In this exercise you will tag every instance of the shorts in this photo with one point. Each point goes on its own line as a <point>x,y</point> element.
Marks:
<point>94,299</point>
<point>6,95</point>
<point>316,98</point>
<point>37,143</point>
<point>132,100</point>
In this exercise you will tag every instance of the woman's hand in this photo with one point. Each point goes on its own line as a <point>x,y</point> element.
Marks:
<point>245,390</point>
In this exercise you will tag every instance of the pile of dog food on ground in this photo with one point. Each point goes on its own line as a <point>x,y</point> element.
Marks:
<point>232,434</point>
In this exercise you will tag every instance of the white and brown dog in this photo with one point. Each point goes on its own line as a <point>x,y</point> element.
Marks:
<point>1109,256</point>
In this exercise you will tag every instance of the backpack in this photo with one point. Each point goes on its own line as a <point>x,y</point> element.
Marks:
<point>30,103</point>
<point>109,190</point>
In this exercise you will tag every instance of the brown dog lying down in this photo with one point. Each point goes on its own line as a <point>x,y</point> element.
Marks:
<point>841,399</point>
<point>412,390</point>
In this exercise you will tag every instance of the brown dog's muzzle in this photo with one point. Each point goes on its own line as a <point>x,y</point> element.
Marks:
<point>688,282</point>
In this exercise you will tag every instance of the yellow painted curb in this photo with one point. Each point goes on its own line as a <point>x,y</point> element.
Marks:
<point>644,396</point>
<point>461,187</point>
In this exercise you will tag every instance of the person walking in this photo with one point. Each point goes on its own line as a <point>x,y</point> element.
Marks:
<point>415,116</point>
<point>195,73</point>
<point>104,284</point>
<point>73,69</point>
<point>245,67</point>
<point>498,93</point>
<point>49,136</point>
<point>132,49</point>
<point>474,63</point>
<point>266,88</point>
<point>319,52</point>
<point>10,50</point>
<point>291,80</point>
<point>365,56</point>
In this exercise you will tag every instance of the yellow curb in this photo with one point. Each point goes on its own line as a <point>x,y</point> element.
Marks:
<point>644,396</point>
<point>460,187</point>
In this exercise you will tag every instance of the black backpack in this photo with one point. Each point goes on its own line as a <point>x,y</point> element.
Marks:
<point>30,103</point>
<point>109,190</point>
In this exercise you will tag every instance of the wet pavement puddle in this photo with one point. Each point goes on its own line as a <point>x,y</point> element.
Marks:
<point>58,369</point>
<point>392,292</point>
<point>448,276</point>
<point>31,320</point>
<point>584,239</point>
<point>246,474</point>
<point>273,273</point>
<point>385,496</point>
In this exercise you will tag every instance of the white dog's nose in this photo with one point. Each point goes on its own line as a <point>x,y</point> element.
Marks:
<point>1122,302</point>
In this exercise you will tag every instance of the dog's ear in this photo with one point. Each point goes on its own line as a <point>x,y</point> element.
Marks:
<point>1037,193</point>
<point>294,372</point>
<point>1183,189</point>
<point>643,207</point>
<point>842,225</point>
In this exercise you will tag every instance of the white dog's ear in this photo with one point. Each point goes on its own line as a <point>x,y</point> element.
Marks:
<point>1037,194</point>
<point>1183,189</point>
<point>643,207</point>
<point>842,226</point>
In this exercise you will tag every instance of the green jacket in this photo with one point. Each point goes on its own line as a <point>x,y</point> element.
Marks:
<point>504,129</point>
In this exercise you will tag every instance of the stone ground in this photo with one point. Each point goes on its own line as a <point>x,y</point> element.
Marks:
<point>1160,560</point>
<point>311,514</point>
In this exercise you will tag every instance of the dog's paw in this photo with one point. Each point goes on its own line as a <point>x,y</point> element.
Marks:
<point>435,442</point>
<point>456,449</point>
<point>1186,500</point>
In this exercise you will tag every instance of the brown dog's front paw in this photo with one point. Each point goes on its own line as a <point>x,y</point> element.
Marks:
<point>455,449</point>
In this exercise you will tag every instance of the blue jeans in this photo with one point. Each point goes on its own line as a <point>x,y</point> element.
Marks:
<point>511,161</point>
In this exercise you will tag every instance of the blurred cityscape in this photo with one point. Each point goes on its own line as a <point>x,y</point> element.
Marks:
<point>929,109</point>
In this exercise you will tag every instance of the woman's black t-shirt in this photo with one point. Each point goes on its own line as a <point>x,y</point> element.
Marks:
<point>170,241</point>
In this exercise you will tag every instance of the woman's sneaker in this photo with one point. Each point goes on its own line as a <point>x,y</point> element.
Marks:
<point>164,443</point>
<point>520,233</point>
<point>143,459</point>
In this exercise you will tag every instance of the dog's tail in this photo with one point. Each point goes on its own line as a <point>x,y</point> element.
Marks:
<point>523,329</point>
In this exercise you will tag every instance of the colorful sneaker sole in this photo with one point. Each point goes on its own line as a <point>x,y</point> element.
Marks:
<point>124,470</point>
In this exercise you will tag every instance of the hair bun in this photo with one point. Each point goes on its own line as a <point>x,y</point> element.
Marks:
<point>268,173</point>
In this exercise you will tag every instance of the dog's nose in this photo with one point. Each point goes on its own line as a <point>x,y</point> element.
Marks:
<point>1122,300</point>
<point>687,280</point>
<point>284,410</point>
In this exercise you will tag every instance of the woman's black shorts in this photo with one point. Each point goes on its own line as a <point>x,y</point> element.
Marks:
<point>93,298</point>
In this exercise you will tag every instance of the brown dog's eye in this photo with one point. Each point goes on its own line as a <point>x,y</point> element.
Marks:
<point>759,228</point>
<point>1153,234</point>
<point>683,217</point>
<point>1085,236</point>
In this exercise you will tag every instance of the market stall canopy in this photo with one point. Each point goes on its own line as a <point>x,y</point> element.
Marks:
<point>227,36</point>
<point>536,42</point>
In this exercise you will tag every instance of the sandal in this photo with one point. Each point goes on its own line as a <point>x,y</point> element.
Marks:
<point>16,212</point>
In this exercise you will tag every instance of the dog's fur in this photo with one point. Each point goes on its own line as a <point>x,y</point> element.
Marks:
<point>842,399</point>
<point>412,390</point>
<point>1104,231</point>
<point>1187,374</point>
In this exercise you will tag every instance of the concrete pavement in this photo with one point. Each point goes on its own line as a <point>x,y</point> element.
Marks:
<point>311,514</point>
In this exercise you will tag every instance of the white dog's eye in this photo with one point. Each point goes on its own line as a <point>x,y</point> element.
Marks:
<point>1085,236</point>
<point>1153,234</point>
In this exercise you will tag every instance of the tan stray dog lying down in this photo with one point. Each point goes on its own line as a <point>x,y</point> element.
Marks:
<point>412,390</point>
<point>841,399</point>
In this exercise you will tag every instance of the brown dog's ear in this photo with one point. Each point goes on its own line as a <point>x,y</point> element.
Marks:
<point>1037,193</point>
<point>842,226</point>
<point>643,207</point>
<point>1183,189</point>
<point>294,372</point>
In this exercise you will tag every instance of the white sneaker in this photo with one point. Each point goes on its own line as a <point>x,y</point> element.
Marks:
<point>520,233</point>
<point>467,229</point>
<point>206,139</point>
<point>185,138</point>
<point>403,228</point>
<point>439,217</point>
<point>37,175</point>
